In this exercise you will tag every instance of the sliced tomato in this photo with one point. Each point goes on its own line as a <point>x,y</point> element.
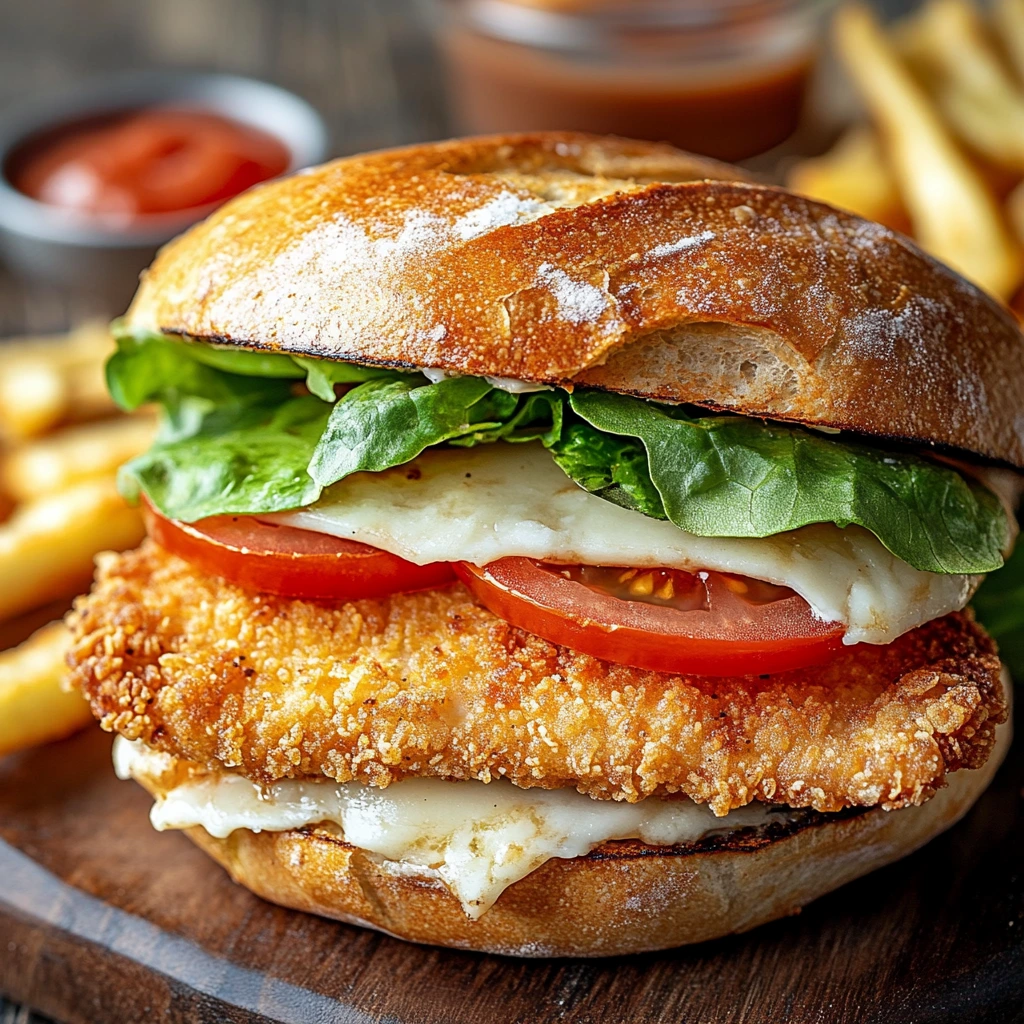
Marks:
<point>275,559</point>
<point>707,623</point>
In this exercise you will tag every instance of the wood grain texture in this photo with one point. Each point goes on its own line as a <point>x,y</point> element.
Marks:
<point>105,919</point>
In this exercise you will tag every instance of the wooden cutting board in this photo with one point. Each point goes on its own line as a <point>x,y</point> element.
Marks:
<point>103,919</point>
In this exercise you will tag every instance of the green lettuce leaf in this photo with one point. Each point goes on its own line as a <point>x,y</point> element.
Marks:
<point>257,465</point>
<point>535,416</point>
<point>236,438</point>
<point>323,374</point>
<point>149,368</point>
<point>730,476</point>
<point>384,423</point>
<point>999,606</point>
<point>615,468</point>
<point>239,360</point>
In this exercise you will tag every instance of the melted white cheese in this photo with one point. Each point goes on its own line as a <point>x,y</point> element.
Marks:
<point>476,838</point>
<point>481,504</point>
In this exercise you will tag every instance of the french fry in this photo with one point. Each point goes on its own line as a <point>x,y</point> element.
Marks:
<point>954,214</point>
<point>48,545</point>
<point>947,44</point>
<point>87,384</point>
<point>1015,211</point>
<point>33,397</point>
<point>35,707</point>
<point>90,342</point>
<point>70,511</point>
<point>6,504</point>
<point>854,176</point>
<point>1008,20</point>
<point>45,381</point>
<point>56,462</point>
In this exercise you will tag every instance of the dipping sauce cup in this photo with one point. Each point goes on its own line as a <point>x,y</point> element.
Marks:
<point>92,182</point>
<point>123,168</point>
<point>725,78</point>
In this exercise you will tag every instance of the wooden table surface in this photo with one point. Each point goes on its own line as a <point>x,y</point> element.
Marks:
<point>368,66</point>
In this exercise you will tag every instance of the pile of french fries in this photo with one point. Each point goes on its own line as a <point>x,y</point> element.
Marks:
<point>941,152</point>
<point>61,441</point>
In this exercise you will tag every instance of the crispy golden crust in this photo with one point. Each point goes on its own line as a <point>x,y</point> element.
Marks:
<point>432,684</point>
<point>574,259</point>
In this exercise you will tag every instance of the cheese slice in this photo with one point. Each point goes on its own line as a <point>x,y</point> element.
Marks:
<point>481,504</point>
<point>476,838</point>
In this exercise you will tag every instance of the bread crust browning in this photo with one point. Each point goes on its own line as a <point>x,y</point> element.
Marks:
<point>431,684</point>
<point>573,259</point>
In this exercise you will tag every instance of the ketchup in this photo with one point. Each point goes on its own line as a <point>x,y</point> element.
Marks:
<point>144,162</point>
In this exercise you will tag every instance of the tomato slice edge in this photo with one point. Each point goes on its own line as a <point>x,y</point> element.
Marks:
<point>515,593</point>
<point>278,559</point>
<point>290,562</point>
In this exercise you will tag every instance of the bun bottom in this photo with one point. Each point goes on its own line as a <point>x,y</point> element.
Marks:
<point>624,897</point>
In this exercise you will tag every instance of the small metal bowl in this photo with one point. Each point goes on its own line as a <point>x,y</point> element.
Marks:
<point>76,251</point>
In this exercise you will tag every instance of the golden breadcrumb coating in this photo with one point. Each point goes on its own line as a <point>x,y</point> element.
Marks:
<point>432,684</point>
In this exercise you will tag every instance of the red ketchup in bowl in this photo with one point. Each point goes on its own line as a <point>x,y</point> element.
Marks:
<point>140,163</point>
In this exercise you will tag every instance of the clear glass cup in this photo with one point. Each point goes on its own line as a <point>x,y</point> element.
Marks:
<point>722,77</point>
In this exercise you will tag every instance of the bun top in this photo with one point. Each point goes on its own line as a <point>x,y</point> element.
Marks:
<point>572,259</point>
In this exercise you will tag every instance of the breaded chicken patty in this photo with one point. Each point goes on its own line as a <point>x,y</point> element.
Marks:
<point>431,684</point>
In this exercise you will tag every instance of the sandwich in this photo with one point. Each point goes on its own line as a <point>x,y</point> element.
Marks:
<point>558,545</point>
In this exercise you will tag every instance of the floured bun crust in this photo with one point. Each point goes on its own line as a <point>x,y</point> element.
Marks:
<point>622,898</point>
<point>572,259</point>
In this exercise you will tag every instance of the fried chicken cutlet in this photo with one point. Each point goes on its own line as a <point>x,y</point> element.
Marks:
<point>432,684</point>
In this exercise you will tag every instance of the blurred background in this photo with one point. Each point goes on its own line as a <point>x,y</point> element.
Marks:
<point>720,76</point>
<point>367,66</point>
<point>122,121</point>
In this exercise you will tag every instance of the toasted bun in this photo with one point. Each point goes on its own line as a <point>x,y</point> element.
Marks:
<point>570,258</point>
<point>624,897</point>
